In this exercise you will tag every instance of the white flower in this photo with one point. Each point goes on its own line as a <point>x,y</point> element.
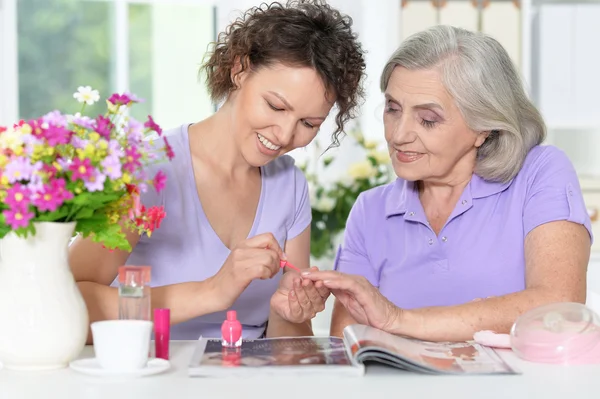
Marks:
<point>11,139</point>
<point>325,204</point>
<point>362,170</point>
<point>86,95</point>
<point>347,181</point>
<point>312,192</point>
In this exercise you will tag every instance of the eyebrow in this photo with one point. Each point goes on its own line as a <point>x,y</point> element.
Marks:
<point>287,104</point>
<point>430,105</point>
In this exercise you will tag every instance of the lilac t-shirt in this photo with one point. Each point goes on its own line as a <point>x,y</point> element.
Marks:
<point>480,250</point>
<point>186,248</point>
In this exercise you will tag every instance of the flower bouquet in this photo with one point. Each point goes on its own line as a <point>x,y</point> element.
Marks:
<point>72,168</point>
<point>60,174</point>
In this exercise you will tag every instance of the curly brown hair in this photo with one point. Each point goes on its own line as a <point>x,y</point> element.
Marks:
<point>301,33</point>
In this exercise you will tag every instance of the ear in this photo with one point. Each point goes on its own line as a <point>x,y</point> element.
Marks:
<point>237,75</point>
<point>481,137</point>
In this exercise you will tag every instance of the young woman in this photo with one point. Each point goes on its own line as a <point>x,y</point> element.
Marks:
<point>236,205</point>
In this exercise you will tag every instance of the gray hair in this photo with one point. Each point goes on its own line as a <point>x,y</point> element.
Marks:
<point>480,76</point>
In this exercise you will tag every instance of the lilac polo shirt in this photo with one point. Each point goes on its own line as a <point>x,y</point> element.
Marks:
<point>186,248</point>
<point>480,250</point>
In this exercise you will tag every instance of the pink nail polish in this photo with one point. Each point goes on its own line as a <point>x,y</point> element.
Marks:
<point>284,263</point>
<point>162,332</point>
<point>231,331</point>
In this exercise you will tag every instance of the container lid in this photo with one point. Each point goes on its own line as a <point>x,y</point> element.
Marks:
<point>134,275</point>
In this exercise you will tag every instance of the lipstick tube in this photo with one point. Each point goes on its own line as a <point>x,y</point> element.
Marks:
<point>162,332</point>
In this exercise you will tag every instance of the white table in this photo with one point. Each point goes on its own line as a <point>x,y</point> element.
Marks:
<point>537,381</point>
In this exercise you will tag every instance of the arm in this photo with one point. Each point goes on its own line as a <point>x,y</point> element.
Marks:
<point>556,253</point>
<point>556,256</point>
<point>298,254</point>
<point>340,319</point>
<point>94,269</point>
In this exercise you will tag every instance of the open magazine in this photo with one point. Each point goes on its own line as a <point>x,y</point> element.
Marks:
<point>361,346</point>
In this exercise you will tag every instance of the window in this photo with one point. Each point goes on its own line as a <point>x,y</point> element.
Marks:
<point>148,47</point>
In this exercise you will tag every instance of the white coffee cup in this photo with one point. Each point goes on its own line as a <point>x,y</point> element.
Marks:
<point>122,345</point>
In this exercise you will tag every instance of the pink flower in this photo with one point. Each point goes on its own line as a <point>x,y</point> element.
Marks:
<point>17,217</point>
<point>52,196</point>
<point>150,124</point>
<point>56,135</point>
<point>18,169</point>
<point>120,99</point>
<point>17,196</point>
<point>82,169</point>
<point>112,167</point>
<point>55,118</point>
<point>95,182</point>
<point>169,150</point>
<point>132,156</point>
<point>60,187</point>
<point>159,182</point>
<point>104,126</point>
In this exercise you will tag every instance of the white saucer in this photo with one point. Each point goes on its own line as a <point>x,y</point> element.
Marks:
<point>92,367</point>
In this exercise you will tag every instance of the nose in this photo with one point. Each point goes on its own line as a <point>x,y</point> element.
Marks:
<point>400,130</point>
<point>285,132</point>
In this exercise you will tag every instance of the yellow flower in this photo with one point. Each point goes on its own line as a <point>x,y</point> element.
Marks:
<point>57,166</point>
<point>103,144</point>
<point>25,128</point>
<point>94,136</point>
<point>126,178</point>
<point>371,144</point>
<point>18,151</point>
<point>381,157</point>
<point>362,170</point>
<point>4,180</point>
<point>3,160</point>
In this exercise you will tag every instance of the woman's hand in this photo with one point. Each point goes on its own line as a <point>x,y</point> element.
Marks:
<point>363,301</point>
<point>254,258</point>
<point>298,300</point>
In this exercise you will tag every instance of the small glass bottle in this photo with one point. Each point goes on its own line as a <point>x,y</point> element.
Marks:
<point>134,293</point>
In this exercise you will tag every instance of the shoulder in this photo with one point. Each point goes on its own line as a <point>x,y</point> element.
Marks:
<point>381,200</point>
<point>547,160</point>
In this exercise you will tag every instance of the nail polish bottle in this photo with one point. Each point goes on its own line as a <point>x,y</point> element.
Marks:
<point>162,333</point>
<point>231,331</point>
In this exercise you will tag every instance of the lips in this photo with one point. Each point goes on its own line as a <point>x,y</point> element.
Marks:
<point>408,156</point>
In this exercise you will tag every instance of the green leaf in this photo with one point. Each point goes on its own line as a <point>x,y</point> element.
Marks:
<point>57,215</point>
<point>84,213</point>
<point>113,238</point>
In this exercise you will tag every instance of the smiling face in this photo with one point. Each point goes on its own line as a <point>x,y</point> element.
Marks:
<point>276,110</point>
<point>427,136</point>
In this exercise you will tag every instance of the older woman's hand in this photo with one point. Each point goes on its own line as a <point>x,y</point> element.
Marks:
<point>363,301</point>
<point>298,300</point>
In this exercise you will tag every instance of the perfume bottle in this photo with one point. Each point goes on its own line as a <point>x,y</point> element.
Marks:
<point>231,331</point>
<point>134,293</point>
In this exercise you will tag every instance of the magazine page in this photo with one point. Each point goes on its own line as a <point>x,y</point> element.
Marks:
<point>276,355</point>
<point>368,344</point>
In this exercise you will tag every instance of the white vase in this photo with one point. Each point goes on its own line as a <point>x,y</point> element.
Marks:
<point>43,318</point>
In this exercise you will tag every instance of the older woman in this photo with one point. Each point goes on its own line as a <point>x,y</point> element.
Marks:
<point>483,222</point>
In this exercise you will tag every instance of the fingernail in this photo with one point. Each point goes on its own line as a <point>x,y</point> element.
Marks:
<point>284,256</point>
<point>305,273</point>
<point>293,293</point>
